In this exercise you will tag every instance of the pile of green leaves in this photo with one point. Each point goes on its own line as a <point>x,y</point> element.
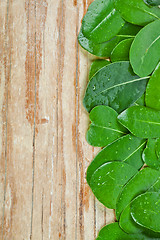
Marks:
<point>123,101</point>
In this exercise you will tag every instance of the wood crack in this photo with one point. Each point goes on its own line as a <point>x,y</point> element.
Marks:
<point>7,83</point>
<point>42,215</point>
<point>34,133</point>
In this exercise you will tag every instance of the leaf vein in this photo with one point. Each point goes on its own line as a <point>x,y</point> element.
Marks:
<point>112,12</point>
<point>121,84</point>
<point>112,129</point>
<point>134,151</point>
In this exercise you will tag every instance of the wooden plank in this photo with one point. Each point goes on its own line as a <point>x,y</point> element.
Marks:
<point>44,154</point>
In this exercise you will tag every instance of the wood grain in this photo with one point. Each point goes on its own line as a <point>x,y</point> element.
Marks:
<point>44,154</point>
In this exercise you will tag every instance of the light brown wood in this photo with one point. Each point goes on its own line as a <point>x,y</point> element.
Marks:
<point>44,154</point>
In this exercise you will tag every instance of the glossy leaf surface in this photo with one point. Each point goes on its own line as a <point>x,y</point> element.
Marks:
<point>116,86</point>
<point>140,101</point>
<point>96,66</point>
<point>137,185</point>
<point>104,49</point>
<point>104,128</point>
<point>121,51</point>
<point>155,187</point>
<point>158,147</point>
<point>126,221</point>
<point>152,2</point>
<point>149,155</point>
<point>137,12</point>
<point>101,22</point>
<point>145,210</point>
<point>145,49</point>
<point>114,232</point>
<point>153,89</point>
<point>108,180</point>
<point>127,149</point>
<point>141,121</point>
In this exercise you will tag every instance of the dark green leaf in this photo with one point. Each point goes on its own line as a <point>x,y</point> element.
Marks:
<point>158,147</point>
<point>104,128</point>
<point>141,121</point>
<point>145,210</point>
<point>101,22</point>
<point>137,12</point>
<point>129,30</point>
<point>121,51</point>
<point>145,49</point>
<point>105,49</point>
<point>137,185</point>
<point>96,66</point>
<point>116,86</point>
<point>108,180</point>
<point>153,90</point>
<point>127,149</point>
<point>155,187</point>
<point>114,232</point>
<point>150,156</point>
<point>140,101</point>
<point>126,221</point>
<point>152,2</point>
<point>100,50</point>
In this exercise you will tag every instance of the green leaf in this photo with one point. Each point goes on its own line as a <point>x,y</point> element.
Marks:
<point>137,185</point>
<point>96,66</point>
<point>144,52</point>
<point>108,180</point>
<point>129,30</point>
<point>145,210</point>
<point>104,128</point>
<point>141,121</point>
<point>121,51</point>
<point>116,86</point>
<point>137,12</point>
<point>126,221</point>
<point>140,101</point>
<point>114,232</point>
<point>150,156</point>
<point>158,147</point>
<point>127,149</point>
<point>101,22</point>
<point>155,187</point>
<point>152,2</point>
<point>104,49</point>
<point>100,50</point>
<point>153,89</point>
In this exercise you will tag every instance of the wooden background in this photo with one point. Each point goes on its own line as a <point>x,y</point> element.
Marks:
<point>44,154</point>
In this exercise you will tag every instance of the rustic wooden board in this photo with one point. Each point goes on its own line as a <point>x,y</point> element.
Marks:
<point>44,155</point>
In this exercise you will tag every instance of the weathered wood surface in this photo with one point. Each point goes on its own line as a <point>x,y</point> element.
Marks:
<point>44,155</point>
